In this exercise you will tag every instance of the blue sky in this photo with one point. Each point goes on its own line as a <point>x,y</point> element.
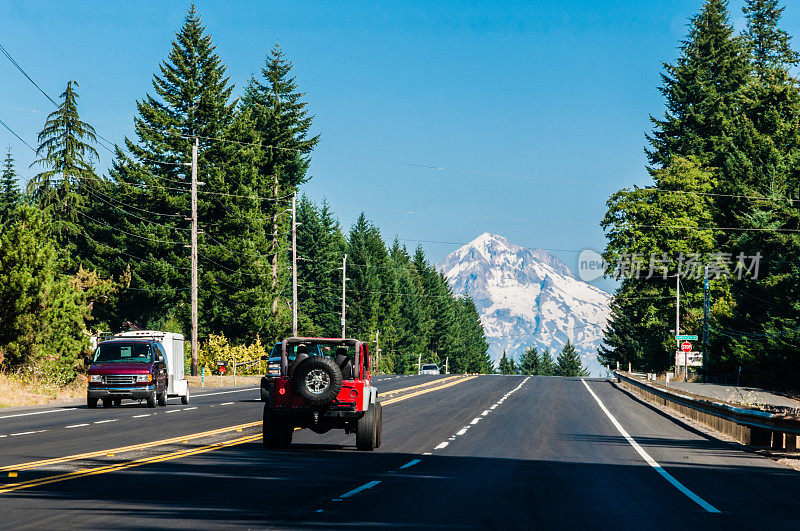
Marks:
<point>535,111</point>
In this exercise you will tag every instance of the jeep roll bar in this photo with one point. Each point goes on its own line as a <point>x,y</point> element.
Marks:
<point>361,351</point>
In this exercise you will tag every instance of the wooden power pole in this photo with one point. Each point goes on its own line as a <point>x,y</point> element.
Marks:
<point>195,148</point>
<point>294,265</point>
<point>344,292</point>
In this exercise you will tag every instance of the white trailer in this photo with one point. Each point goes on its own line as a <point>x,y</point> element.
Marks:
<point>173,346</point>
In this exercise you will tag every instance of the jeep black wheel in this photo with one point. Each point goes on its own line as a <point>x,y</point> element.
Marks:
<point>106,402</point>
<point>117,402</point>
<point>91,403</point>
<point>366,430</point>
<point>378,424</point>
<point>263,395</point>
<point>318,380</point>
<point>276,432</point>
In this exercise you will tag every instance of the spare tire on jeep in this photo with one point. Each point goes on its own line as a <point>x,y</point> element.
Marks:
<point>318,380</point>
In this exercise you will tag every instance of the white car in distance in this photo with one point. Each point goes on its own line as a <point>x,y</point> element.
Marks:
<point>430,368</point>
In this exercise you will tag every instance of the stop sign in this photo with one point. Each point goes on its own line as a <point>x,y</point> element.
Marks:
<point>686,346</point>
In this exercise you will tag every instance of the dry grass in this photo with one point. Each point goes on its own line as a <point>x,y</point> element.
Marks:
<point>30,391</point>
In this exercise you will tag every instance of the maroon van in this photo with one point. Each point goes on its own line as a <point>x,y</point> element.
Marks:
<point>127,368</point>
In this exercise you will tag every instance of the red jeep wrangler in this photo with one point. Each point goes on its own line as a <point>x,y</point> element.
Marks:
<point>323,385</point>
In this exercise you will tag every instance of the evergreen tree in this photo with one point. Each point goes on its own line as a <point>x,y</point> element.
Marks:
<point>9,189</point>
<point>320,246</point>
<point>530,362</point>
<point>192,98</point>
<point>282,123</point>
<point>42,314</point>
<point>502,364</point>
<point>65,152</point>
<point>569,362</point>
<point>702,91</point>
<point>547,368</point>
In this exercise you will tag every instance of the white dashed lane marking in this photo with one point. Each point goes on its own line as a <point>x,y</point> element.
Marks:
<point>75,426</point>
<point>410,464</point>
<point>355,491</point>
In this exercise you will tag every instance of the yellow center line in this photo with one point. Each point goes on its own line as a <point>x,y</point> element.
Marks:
<point>122,466</point>
<point>173,455</point>
<point>423,391</point>
<point>426,384</point>
<point>135,447</point>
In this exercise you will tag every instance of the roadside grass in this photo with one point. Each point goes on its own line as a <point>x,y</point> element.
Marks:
<point>16,390</point>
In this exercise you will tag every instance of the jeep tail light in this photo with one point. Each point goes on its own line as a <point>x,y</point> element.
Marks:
<point>282,391</point>
<point>353,393</point>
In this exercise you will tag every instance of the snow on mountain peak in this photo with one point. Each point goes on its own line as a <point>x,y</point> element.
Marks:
<point>527,297</point>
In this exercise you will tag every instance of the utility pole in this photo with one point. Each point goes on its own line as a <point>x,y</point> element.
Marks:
<point>706,305</point>
<point>344,292</point>
<point>678,315</point>
<point>447,365</point>
<point>377,351</point>
<point>419,364</point>
<point>294,266</point>
<point>195,148</point>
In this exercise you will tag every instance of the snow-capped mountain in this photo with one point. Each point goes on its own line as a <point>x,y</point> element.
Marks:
<point>528,297</point>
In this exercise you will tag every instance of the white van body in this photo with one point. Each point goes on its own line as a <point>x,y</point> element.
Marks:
<point>173,346</point>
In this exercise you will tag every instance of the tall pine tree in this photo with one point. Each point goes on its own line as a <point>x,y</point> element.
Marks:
<point>9,189</point>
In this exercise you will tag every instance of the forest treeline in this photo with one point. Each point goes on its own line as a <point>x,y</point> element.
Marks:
<point>82,252</point>
<point>726,194</point>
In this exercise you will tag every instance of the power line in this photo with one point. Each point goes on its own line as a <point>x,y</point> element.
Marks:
<point>16,135</point>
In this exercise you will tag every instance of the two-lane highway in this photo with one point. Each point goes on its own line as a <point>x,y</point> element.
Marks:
<point>486,451</point>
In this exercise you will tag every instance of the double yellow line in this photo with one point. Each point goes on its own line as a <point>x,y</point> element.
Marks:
<point>123,449</point>
<point>13,469</point>
<point>130,464</point>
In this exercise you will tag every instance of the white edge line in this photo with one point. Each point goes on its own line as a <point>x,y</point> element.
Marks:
<point>650,461</point>
<point>39,412</point>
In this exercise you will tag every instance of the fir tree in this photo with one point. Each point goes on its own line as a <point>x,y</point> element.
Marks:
<point>65,152</point>
<point>9,189</point>
<point>702,91</point>
<point>530,362</point>
<point>42,314</point>
<point>547,368</point>
<point>502,364</point>
<point>569,362</point>
<point>282,123</point>
<point>192,98</point>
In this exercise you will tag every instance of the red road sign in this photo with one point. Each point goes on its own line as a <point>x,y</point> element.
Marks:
<point>686,346</point>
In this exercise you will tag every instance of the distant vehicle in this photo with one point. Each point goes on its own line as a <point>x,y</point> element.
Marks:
<point>142,365</point>
<point>323,384</point>
<point>430,368</point>
<point>273,360</point>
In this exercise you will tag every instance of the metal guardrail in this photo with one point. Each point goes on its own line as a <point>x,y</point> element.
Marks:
<point>777,430</point>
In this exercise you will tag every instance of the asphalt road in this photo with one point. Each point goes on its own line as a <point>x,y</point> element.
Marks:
<point>480,452</point>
